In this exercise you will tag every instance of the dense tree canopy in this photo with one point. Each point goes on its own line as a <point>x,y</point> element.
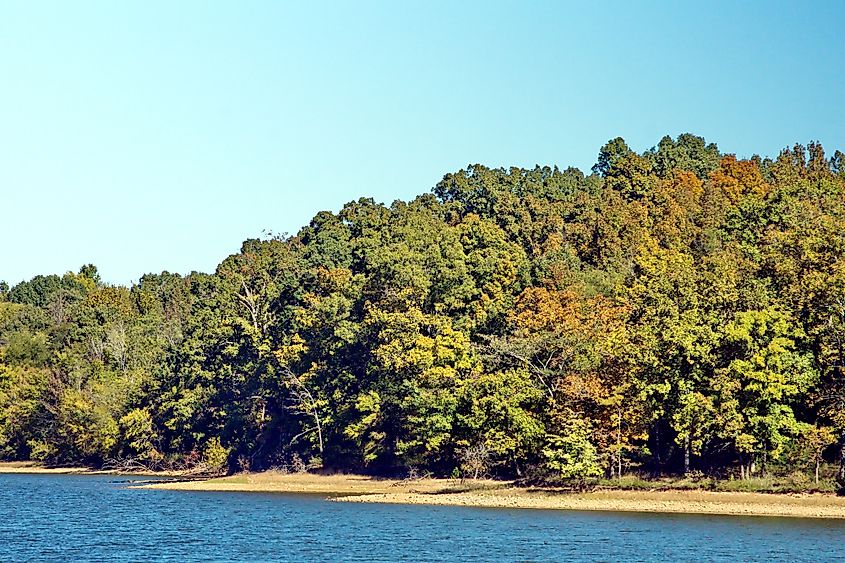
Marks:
<point>674,310</point>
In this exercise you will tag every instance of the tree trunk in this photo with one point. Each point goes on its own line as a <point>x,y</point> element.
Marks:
<point>657,449</point>
<point>841,472</point>
<point>619,447</point>
<point>817,470</point>
<point>319,429</point>
<point>686,454</point>
<point>746,466</point>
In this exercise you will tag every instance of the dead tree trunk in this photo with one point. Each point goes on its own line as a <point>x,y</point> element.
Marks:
<point>306,402</point>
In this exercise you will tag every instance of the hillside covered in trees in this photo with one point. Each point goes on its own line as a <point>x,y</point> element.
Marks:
<point>672,311</point>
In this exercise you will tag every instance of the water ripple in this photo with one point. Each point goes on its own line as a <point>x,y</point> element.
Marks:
<point>95,518</point>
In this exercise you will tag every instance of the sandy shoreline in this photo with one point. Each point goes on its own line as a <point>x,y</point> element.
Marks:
<point>498,494</point>
<point>35,468</point>
<point>489,494</point>
<point>676,502</point>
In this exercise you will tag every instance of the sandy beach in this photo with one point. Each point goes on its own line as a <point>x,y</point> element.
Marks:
<point>490,494</point>
<point>502,494</point>
<point>34,467</point>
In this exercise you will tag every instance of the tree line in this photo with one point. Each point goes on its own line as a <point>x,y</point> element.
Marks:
<point>672,311</point>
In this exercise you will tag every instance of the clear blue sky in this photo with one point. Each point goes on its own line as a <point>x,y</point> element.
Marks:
<point>148,136</point>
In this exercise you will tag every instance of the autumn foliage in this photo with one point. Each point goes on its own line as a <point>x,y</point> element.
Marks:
<point>673,311</point>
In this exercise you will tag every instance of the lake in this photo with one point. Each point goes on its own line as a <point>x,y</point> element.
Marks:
<point>97,518</point>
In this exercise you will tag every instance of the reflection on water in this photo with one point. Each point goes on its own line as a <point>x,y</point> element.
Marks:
<point>96,518</point>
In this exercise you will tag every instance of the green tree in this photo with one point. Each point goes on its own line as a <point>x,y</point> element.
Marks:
<point>764,375</point>
<point>570,454</point>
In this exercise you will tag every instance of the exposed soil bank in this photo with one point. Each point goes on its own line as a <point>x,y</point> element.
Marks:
<point>502,494</point>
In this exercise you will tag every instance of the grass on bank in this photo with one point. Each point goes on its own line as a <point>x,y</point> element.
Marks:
<point>793,483</point>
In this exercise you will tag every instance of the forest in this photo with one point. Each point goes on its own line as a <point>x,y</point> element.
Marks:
<point>677,311</point>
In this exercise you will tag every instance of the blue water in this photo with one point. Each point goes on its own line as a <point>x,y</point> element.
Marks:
<point>97,518</point>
